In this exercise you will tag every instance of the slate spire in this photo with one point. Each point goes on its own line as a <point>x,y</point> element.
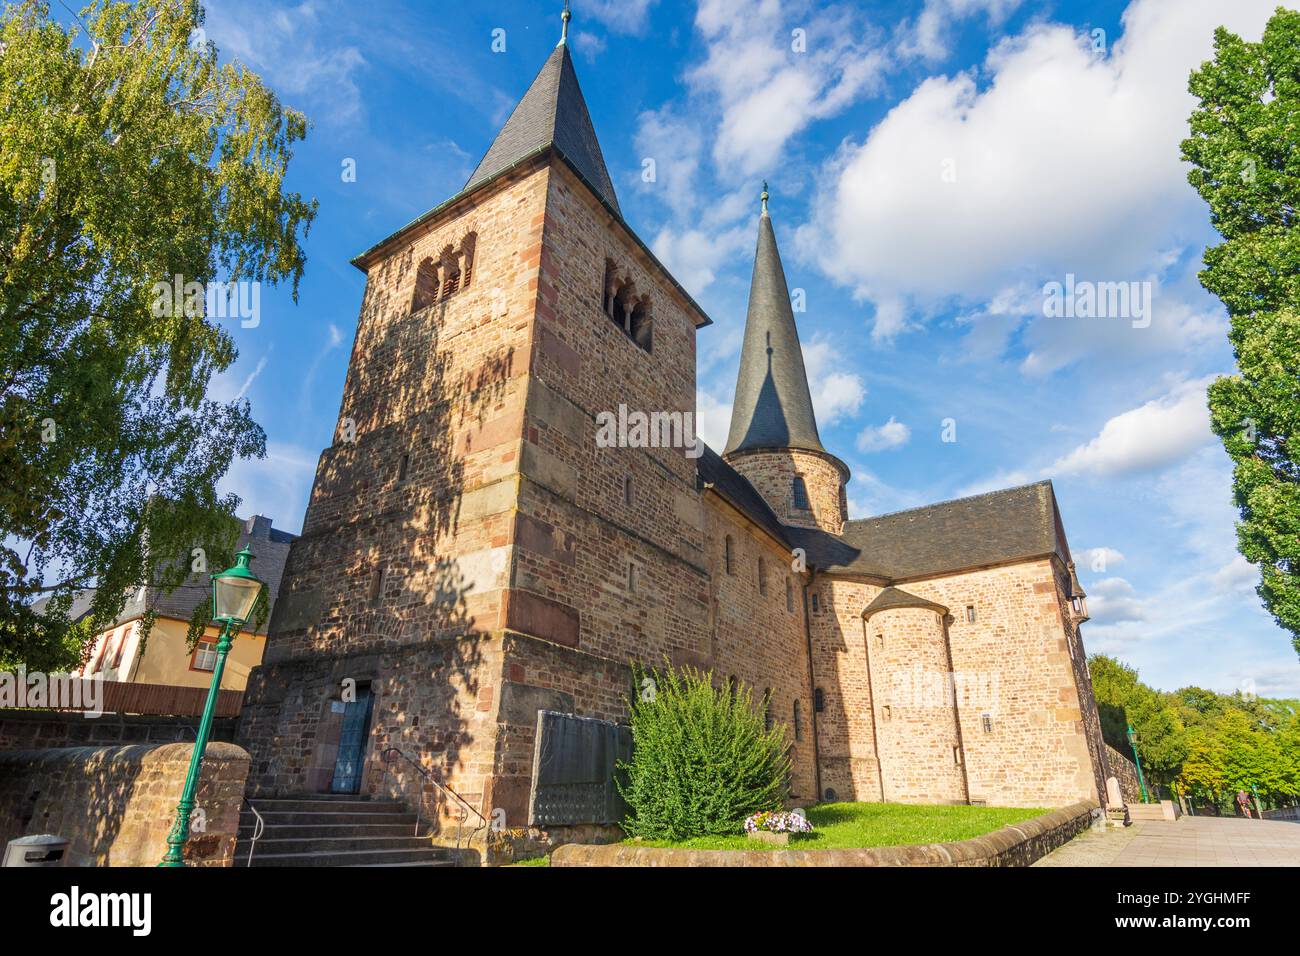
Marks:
<point>773,407</point>
<point>552,113</point>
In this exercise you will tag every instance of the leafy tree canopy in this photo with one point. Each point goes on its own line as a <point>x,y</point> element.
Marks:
<point>131,157</point>
<point>1245,154</point>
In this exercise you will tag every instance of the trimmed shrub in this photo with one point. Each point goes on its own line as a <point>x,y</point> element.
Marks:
<point>702,759</point>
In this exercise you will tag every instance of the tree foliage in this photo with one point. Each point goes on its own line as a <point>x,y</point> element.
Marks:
<point>703,760</point>
<point>1245,154</point>
<point>130,156</point>
<point>1210,744</point>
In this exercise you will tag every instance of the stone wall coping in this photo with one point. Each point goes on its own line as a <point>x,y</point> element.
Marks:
<point>216,750</point>
<point>991,849</point>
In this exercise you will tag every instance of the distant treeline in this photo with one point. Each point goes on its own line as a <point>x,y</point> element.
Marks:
<point>1205,745</point>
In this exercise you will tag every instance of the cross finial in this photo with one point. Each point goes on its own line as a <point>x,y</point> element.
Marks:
<point>565,17</point>
<point>764,197</point>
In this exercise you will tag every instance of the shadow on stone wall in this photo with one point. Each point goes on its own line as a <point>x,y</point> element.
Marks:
<point>116,804</point>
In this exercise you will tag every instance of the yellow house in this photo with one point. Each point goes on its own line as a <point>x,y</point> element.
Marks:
<point>117,654</point>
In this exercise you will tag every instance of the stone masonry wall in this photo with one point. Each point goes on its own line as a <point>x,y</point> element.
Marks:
<point>1125,771</point>
<point>117,804</point>
<point>772,474</point>
<point>401,575</point>
<point>44,729</point>
<point>1018,663</point>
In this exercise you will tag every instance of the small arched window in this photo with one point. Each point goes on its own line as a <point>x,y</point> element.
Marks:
<point>426,285</point>
<point>819,700</point>
<point>799,492</point>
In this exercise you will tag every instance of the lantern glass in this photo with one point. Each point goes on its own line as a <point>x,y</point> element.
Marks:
<point>235,591</point>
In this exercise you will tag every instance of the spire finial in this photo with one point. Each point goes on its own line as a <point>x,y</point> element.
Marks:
<point>764,197</point>
<point>565,17</point>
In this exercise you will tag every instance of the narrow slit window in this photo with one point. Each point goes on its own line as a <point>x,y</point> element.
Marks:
<point>376,584</point>
<point>800,494</point>
<point>762,576</point>
<point>798,724</point>
<point>819,700</point>
<point>403,466</point>
<point>970,613</point>
<point>816,603</point>
<point>727,555</point>
<point>627,490</point>
<point>987,720</point>
<point>789,595</point>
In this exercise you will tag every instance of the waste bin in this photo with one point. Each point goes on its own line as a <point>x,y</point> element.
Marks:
<point>43,849</point>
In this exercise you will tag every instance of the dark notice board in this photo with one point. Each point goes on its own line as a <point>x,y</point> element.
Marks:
<point>573,770</point>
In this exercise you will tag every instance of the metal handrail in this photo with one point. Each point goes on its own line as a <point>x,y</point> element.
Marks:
<point>258,828</point>
<point>442,789</point>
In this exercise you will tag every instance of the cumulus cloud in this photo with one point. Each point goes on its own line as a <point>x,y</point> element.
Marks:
<point>770,82</point>
<point>928,37</point>
<point>892,434</point>
<point>837,392</point>
<point>694,256</point>
<point>712,419</point>
<point>1051,159</point>
<point>1114,601</point>
<point>1146,438</point>
<point>1098,560</point>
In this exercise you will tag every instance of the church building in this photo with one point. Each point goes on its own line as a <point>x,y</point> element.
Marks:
<point>473,557</point>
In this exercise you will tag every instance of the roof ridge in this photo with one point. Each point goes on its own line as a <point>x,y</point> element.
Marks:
<point>953,501</point>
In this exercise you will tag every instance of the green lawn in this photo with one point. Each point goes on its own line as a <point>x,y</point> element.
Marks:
<point>843,826</point>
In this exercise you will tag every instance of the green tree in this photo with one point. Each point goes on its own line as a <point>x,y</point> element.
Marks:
<point>703,759</point>
<point>131,156</point>
<point>1244,144</point>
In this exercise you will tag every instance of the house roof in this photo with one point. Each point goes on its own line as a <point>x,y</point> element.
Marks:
<point>987,529</point>
<point>552,113</point>
<point>773,406</point>
<point>269,545</point>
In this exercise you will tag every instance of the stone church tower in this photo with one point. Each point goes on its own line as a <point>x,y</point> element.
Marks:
<point>477,572</point>
<point>773,440</point>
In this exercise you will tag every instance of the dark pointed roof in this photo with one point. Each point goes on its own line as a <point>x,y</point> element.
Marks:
<point>552,113</point>
<point>773,407</point>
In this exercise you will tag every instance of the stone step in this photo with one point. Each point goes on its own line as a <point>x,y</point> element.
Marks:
<point>1147,811</point>
<point>428,856</point>
<point>300,831</point>
<point>310,805</point>
<point>276,845</point>
<point>326,818</point>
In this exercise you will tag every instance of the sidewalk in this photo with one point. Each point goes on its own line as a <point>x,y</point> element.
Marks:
<point>1190,841</point>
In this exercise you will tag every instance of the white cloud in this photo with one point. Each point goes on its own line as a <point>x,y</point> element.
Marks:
<point>1237,575</point>
<point>928,36</point>
<point>695,256</point>
<point>621,16</point>
<point>836,392</point>
<point>1097,560</point>
<point>276,486</point>
<point>1114,601</point>
<point>712,419</point>
<point>293,49</point>
<point>892,434</point>
<point>1145,438</point>
<point>1063,161</point>
<point>676,146</point>
<point>768,91</point>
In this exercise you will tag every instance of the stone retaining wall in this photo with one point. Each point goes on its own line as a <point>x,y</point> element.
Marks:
<point>44,729</point>
<point>1016,845</point>
<point>1125,771</point>
<point>116,804</point>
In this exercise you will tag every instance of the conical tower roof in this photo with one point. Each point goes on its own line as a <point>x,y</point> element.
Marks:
<point>552,113</point>
<point>773,407</point>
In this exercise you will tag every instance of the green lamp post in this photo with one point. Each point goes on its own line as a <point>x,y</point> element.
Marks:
<point>1133,742</point>
<point>234,594</point>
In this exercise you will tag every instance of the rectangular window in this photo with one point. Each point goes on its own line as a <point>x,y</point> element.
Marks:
<point>376,584</point>
<point>800,495</point>
<point>816,604</point>
<point>627,490</point>
<point>987,720</point>
<point>970,613</point>
<point>762,576</point>
<point>403,466</point>
<point>789,595</point>
<point>631,576</point>
<point>205,656</point>
<point>727,555</point>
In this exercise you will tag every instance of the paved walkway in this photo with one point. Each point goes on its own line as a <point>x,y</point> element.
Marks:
<point>1189,841</point>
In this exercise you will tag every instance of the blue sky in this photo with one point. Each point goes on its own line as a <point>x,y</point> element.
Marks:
<point>933,163</point>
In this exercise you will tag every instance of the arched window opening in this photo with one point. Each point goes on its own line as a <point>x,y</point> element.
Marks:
<point>800,495</point>
<point>640,326</point>
<point>426,285</point>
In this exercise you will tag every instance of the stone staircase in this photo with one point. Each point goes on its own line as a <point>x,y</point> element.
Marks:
<point>335,830</point>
